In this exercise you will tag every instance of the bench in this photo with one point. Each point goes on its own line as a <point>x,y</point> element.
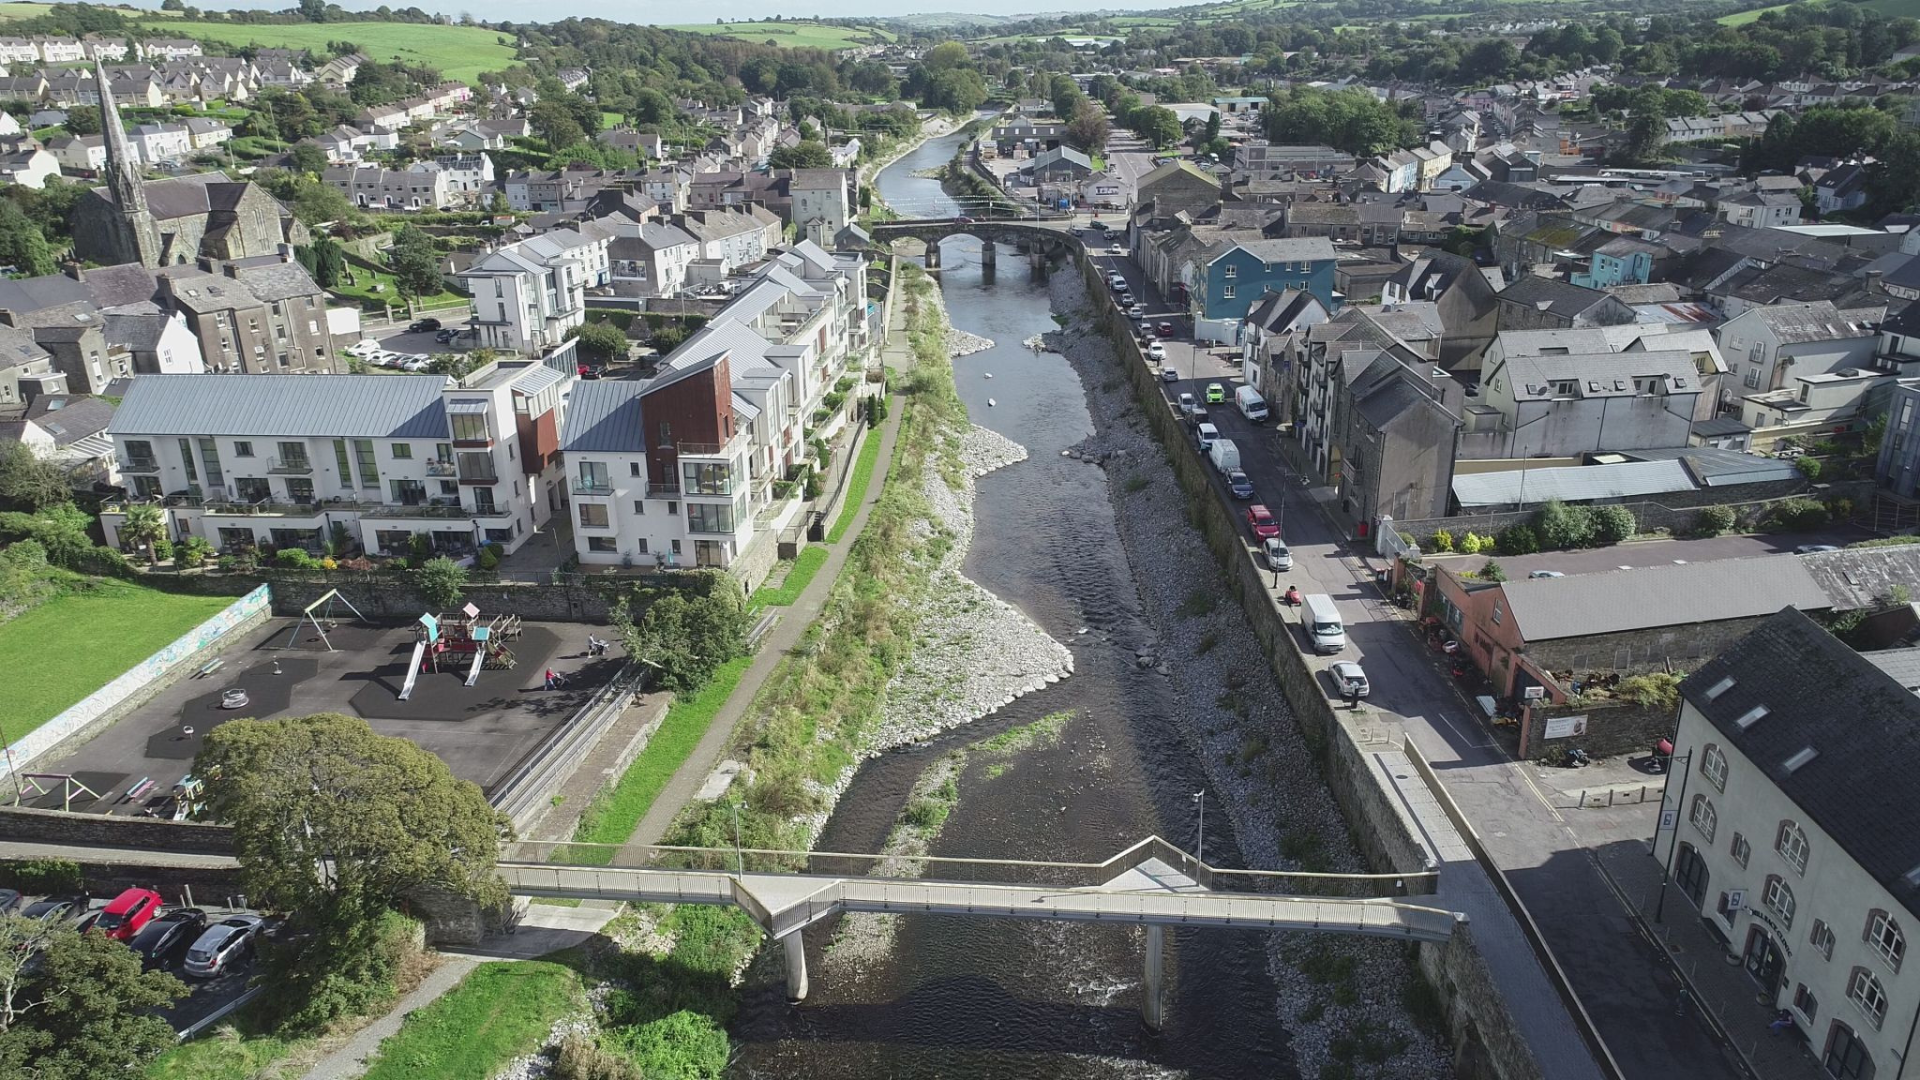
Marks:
<point>209,667</point>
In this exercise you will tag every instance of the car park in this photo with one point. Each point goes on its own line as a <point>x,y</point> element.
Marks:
<point>1239,485</point>
<point>1216,394</point>
<point>125,914</point>
<point>421,326</point>
<point>1349,679</point>
<point>1279,557</point>
<point>161,942</point>
<point>1156,351</point>
<point>1262,522</point>
<point>1168,374</point>
<point>220,945</point>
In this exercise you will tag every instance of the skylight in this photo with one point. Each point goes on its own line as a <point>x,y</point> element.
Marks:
<point>1719,688</point>
<point>1800,758</point>
<point>1751,718</point>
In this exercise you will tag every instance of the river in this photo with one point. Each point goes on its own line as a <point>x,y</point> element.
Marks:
<point>995,998</point>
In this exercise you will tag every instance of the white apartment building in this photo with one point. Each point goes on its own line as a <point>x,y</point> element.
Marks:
<point>293,461</point>
<point>649,258</point>
<point>1789,825</point>
<point>469,176</point>
<point>162,142</point>
<point>526,296</point>
<point>55,50</point>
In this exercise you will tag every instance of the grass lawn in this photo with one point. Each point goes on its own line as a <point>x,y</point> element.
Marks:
<point>457,52</point>
<point>83,639</point>
<point>498,1012</point>
<point>856,486</point>
<point>805,566</point>
<point>794,33</point>
<point>616,811</point>
<point>361,291</point>
<point>1742,18</point>
<point>216,1057</point>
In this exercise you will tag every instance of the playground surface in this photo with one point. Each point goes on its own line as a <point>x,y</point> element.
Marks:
<point>484,732</point>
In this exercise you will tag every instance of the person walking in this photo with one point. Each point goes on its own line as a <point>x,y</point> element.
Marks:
<point>552,679</point>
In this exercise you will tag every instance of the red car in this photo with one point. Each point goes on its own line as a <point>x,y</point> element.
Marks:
<point>129,911</point>
<point>1261,520</point>
<point>1166,329</point>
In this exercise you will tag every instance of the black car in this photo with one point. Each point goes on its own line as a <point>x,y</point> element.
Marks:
<point>161,941</point>
<point>1239,485</point>
<point>423,325</point>
<point>9,899</point>
<point>55,908</point>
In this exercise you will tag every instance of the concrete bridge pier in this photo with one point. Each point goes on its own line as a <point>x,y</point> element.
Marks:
<point>933,254</point>
<point>1151,987</point>
<point>989,254</point>
<point>796,947</point>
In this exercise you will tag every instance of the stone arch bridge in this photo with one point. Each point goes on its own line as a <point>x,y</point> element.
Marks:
<point>1042,237</point>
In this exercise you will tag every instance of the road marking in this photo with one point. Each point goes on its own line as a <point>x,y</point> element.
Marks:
<point>1521,768</point>
<point>1464,737</point>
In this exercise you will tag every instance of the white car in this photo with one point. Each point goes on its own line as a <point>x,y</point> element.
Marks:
<point>1136,311</point>
<point>220,945</point>
<point>1349,679</point>
<point>1278,557</point>
<point>1156,351</point>
<point>363,348</point>
<point>1188,404</point>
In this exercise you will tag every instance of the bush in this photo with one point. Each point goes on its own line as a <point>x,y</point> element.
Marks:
<point>294,559</point>
<point>1809,467</point>
<point>1490,571</point>
<point>1562,526</point>
<point>442,581</point>
<point>1657,690</point>
<point>1518,539</point>
<point>487,560</point>
<point>1612,524</point>
<point>1797,515</point>
<point>1471,544</point>
<point>45,877</point>
<point>195,551</point>
<point>1713,520</point>
<point>580,1058</point>
<point>679,1046</point>
<point>419,550</point>
<point>162,549</point>
<point>1443,541</point>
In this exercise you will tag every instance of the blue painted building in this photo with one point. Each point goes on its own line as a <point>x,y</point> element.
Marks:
<point>1224,280</point>
<point>1624,261</point>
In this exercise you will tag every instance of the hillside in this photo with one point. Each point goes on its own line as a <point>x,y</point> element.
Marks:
<point>458,52</point>
<point>793,33</point>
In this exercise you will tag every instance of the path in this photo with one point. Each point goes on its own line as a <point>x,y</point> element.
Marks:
<point>794,621</point>
<point>350,1059</point>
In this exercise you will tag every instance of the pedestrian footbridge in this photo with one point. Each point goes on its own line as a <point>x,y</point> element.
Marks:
<point>1152,883</point>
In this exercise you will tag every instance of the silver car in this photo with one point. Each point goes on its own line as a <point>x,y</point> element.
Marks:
<point>222,943</point>
<point>1349,679</point>
<point>1277,556</point>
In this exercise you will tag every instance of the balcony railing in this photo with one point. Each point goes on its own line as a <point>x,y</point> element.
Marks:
<point>270,508</point>
<point>442,468</point>
<point>289,465</point>
<point>583,486</point>
<point>139,465</point>
<point>662,488</point>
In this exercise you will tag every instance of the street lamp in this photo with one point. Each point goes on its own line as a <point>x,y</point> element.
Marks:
<point>1200,845</point>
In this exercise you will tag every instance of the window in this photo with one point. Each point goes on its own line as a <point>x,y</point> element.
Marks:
<point>483,500</point>
<point>402,451</point>
<point>1703,816</point>
<point>1884,935</point>
<point>707,479</point>
<point>666,433</point>
<point>1864,990</point>
<point>1753,378</point>
<point>1846,1057</point>
<point>1713,766</point>
<point>186,459</point>
<point>1226,292</point>
<point>477,468</point>
<point>369,469</point>
<point>1821,939</point>
<point>449,487</point>
<point>603,543</point>
<point>633,468</point>
<point>676,547</point>
<point>299,490</point>
<point>1804,1002</point>
<point>704,518</point>
<point>673,508</point>
<point>408,492</point>
<point>210,457</point>
<point>639,507</point>
<point>140,453</point>
<point>1742,850</point>
<point>593,515</point>
<point>1791,843</point>
<point>593,479</point>
<point>1231,272</point>
<point>252,489</point>
<point>469,427</point>
<point>341,460</point>
<point>242,449</point>
<point>1778,898</point>
<point>1690,873</point>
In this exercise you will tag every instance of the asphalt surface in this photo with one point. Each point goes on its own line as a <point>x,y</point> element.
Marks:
<point>1625,982</point>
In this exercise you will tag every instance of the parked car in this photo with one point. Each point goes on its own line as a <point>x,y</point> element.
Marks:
<point>1216,393</point>
<point>1156,351</point>
<point>1789,452</point>
<point>161,941</point>
<point>125,914</point>
<point>1167,374</point>
<point>1279,557</point>
<point>1239,485</point>
<point>1537,574</point>
<point>1098,226</point>
<point>1349,679</point>
<point>1814,549</point>
<point>445,337</point>
<point>1187,404</point>
<point>220,945</point>
<point>9,899</point>
<point>1262,521</point>
<point>1136,310</point>
<point>363,348</point>
<point>1166,328</point>
<point>421,326</point>
<point>55,908</point>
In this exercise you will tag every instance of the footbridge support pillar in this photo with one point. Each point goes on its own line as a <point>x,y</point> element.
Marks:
<point>989,254</point>
<point>796,947</point>
<point>1151,986</point>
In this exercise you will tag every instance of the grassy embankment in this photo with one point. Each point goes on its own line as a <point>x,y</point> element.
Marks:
<point>460,53</point>
<point>497,1013</point>
<point>792,33</point>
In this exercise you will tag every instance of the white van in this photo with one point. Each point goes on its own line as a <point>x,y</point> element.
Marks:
<point>1204,436</point>
<point>1252,405</point>
<point>1322,622</point>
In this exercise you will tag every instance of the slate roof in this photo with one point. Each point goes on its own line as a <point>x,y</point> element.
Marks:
<point>1901,665</point>
<point>1864,577</point>
<point>285,406</point>
<point>1818,321</point>
<point>1862,723</point>
<point>17,347</point>
<point>76,417</point>
<point>1648,597</point>
<point>1551,294</point>
<point>604,417</point>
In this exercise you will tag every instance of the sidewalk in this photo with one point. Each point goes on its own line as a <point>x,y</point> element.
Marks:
<point>786,633</point>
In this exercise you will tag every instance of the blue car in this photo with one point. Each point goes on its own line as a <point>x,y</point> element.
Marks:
<point>1239,485</point>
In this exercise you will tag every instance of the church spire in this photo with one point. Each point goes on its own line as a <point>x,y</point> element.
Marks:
<point>123,168</point>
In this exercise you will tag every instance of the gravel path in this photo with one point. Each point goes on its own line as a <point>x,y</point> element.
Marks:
<point>350,1060</point>
<point>1237,719</point>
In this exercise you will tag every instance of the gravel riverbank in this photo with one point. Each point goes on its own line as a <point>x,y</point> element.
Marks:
<point>1349,1008</point>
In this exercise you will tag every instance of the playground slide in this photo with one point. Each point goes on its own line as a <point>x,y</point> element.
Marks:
<point>473,673</point>
<point>413,669</point>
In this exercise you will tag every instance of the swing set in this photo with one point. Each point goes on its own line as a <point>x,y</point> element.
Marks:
<point>324,620</point>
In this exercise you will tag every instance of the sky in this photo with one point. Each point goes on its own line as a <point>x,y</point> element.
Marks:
<point>663,13</point>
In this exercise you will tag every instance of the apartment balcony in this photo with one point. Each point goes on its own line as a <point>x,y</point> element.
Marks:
<point>662,490</point>
<point>591,487</point>
<point>139,465</point>
<point>442,468</point>
<point>289,466</point>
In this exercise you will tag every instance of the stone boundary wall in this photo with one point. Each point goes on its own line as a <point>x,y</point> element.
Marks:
<point>26,824</point>
<point>1486,1044</point>
<point>1677,514</point>
<point>140,682</point>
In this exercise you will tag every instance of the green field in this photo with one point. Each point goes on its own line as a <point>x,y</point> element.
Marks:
<point>77,642</point>
<point>1899,9</point>
<point>1742,18</point>
<point>794,33</point>
<point>498,1012</point>
<point>458,52</point>
<point>9,12</point>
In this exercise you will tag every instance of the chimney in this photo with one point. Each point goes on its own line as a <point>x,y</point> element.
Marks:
<point>1875,287</point>
<point>286,252</point>
<point>72,270</point>
<point>8,318</point>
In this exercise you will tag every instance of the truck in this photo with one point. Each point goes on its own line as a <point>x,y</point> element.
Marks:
<point>1252,405</point>
<point>1225,455</point>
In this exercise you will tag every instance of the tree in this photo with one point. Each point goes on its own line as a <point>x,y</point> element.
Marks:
<point>1159,126</point>
<point>554,124</point>
<point>144,525</point>
<point>946,56</point>
<point>88,1009</point>
<point>1490,571</point>
<point>415,263</point>
<point>27,482</point>
<point>83,120</point>
<point>307,158</point>
<point>808,154</point>
<point>602,340</point>
<point>442,581</point>
<point>1612,524</point>
<point>1562,526</point>
<point>1088,126</point>
<point>22,243</point>
<point>684,636</point>
<point>329,262</point>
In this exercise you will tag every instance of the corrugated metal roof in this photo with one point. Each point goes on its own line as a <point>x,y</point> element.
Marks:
<point>1719,468</point>
<point>1581,605</point>
<point>1573,483</point>
<point>284,406</point>
<point>537,378</point>
<point>604,417</point>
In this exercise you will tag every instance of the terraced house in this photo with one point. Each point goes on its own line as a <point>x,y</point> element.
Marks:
<point>1223,280</point>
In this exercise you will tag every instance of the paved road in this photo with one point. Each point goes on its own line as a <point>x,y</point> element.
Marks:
<point>1622,978</point>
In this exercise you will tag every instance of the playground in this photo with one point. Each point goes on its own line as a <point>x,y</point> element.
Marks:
<point>468,685</point>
